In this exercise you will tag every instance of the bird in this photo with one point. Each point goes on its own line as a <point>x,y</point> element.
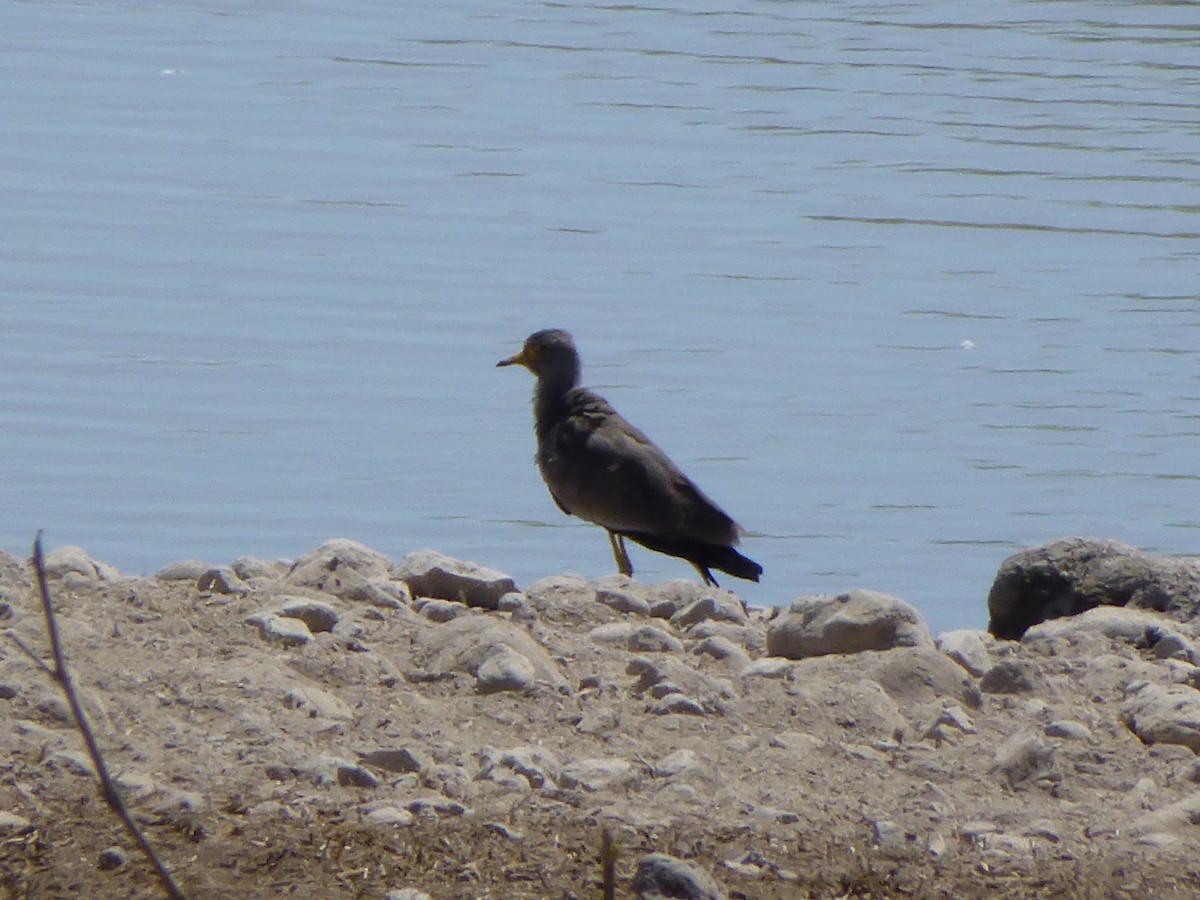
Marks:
<point>603,470</point>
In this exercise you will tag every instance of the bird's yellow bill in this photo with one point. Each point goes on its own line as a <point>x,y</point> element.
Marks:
<point>517,359</point>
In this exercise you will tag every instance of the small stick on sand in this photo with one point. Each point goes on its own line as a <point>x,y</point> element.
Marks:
<point>60,674</point>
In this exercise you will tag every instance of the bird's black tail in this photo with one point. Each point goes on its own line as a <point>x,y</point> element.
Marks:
<point>703,556</point>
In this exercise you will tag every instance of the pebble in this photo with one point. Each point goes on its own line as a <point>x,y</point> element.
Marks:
<point>432,574</point>
<point>351,775</point>
<point>661,876</point>
<point>623,601</point>
<point>281,630</point>
<point>769,667</point>
<point>10,822</point>
<point>677,763</point>
<point>1010,676</point>
<point>111,858</point>
<point>723,607</point>
<point>652,639</point>
<point>968,648</point>
<point>317,615</point>
<point>318,703</point>
<point>1069,729</point>
<point>221,580</point>
<point>403,760</point>
<point>596,774</point>
<point>504,670</point>
<point>439,610</point>
<point>389,814</point>
<point>852,622</point>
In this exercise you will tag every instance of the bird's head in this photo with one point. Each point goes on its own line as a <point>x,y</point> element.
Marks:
<point>547,353</point>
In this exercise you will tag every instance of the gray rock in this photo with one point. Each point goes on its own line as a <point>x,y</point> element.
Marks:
<point>952,722</point>
<point>1025,759</point>
<point>535,767</point>
<point>439,610</point>
<point>664,676</point>
<point>666,598</point>
<point>465,643</point>
<point>722,648</point>
<point>1138,628</point>
<point>71,761</point>
<point>318,703</point>
<point>281,629</point>
<point>1174,646</point>
<point>1180,816</point>
<point>515,604</point>
<point>252,568</point>
<point>432,574</point>
<point>344,568</point>
<point>846,623</point>
<point>1164,714</point>
<point>504,669</point>
<point>968,648</point>
<point>598,774</point>
<point>719,606</point>
<point>613,633</point>
<point>660,877</point>
<point>679,762</point>
<point>63,561</point>
<point>403,760</point>
<point>431,805</point>
<point>389,815</point>
<point>888,834</point>
<point>382,591</point>
<point>1072,575</point>
<point>770,667</point>
<point>856,708</point>
<point>1069,730</point>
<point>1011,676</point>
<point>317,615</point>
<point>919,675</point>
<point>406,894</point>
<point>350,775</point>
<point>183,570</point>
<point>623,601</point>
<point>678,704</point>
<point>221,580</point>
<point>11,823</point>
<point>111,858</point>
<point>652,639</point>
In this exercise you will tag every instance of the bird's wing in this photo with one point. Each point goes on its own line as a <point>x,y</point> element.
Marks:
<point>603,469</point>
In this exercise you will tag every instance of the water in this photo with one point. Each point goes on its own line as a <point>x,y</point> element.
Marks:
<point>905,287</point>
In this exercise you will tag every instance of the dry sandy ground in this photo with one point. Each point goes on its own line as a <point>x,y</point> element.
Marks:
<point>396,747</point>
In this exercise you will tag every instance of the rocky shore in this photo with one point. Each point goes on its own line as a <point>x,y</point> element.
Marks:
<point>347,726</point>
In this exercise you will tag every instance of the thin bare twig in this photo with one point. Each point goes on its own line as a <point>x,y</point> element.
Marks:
<point>108,787</point>
<point>608,864</point>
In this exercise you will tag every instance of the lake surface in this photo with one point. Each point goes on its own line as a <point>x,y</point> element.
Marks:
<point>905,287</point>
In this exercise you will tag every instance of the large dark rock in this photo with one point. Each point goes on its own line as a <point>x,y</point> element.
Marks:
<point>1072,575</point>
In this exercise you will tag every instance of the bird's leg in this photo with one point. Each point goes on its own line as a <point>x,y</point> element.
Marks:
<point>706,575</point>
<point>624,566</point>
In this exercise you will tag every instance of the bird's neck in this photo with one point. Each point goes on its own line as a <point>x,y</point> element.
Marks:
<point>550,397</point>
